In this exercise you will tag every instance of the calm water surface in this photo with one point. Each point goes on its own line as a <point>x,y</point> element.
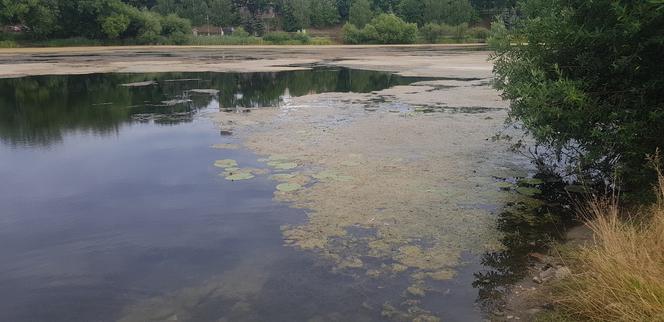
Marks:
<point>108,198</point>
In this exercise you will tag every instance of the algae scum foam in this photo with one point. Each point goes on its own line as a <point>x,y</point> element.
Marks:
<point>327,194</point>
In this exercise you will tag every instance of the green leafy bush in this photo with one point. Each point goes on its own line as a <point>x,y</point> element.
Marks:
<point>384,29</point>
<point>240,32</point>
<point>351,34</point>
<point>585,79</point>
<point>286,38</point>
<point>478,33</point>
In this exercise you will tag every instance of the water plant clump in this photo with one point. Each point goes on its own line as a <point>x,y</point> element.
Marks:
<point>240,176</point>
<point>226,163</point>
<point>528,191</point>
<point>288,187</point>
<point>282,165</point>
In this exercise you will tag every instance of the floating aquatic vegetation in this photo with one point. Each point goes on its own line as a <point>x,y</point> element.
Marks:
<point>504,185</point>
<point>331,175</point>
<point>225,146</point>
<point>283,176</point>
<point>530,182</point>
<point>226,163</point>
<point>416,290</point>
<point>289,187</point>
<point>139,84</point>
<point>240,176</point>
<point>528,191</point>
<point>279,165</point>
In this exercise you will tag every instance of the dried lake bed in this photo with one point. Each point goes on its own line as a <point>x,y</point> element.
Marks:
<point>351,183</point>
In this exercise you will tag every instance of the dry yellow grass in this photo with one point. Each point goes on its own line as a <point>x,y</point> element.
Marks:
<point>621,276</point>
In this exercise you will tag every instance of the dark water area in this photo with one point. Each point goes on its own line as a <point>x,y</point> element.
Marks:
<point>111,209</point>
<point>109,197</point>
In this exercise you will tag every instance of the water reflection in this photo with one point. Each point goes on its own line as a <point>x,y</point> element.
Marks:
<point>40,110</point>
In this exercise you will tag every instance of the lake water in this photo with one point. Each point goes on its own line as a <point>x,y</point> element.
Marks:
<point>111,208</point>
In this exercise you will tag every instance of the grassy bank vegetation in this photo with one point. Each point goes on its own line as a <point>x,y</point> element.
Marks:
<point>619,277</point>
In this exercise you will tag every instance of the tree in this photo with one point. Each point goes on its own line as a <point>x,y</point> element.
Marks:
<point>40,16</point>
<point>585,79</point>
<point>324,13</point>
<point>384,29</point>
<point>114,25</point>
<point>343,6</point>
<point>412,11</point>
<point>360,13</point>
<point>295,14</point>
<point>222,13</point>
<point>391,29</point>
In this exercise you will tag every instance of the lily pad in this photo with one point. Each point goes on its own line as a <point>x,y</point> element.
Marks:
<point>282,176</point>
<point>528,191</point>
<point>289,187</point>
<point>530,182</point>
<point>503,185</point>
<point>226,146</point>
<point>226,163</point>
<point>240,176</point>
<point>282,165</point>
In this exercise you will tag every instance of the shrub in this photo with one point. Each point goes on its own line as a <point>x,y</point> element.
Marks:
<point>431,32</point>
<point>384,29</point>
<point>114,25</point>
<point>240,32</point>
<point>393,30</point>
<point>8,44</point>
<point>479,33</point>
<point>286,38</point>
<point>351,35</point>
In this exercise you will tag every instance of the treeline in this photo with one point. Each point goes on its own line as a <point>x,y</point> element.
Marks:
<point>93,19</point>
<point>160,21</point>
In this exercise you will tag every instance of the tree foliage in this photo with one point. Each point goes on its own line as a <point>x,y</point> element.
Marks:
<point>360,13</point>
<point>384,29</point>
<point>585,79</point>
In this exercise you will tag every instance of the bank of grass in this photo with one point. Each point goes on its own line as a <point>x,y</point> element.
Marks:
<point>620,277</point>
<point>278,38</point>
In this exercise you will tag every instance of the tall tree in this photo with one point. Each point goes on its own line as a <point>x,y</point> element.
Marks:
<point>324,13</point>
<point>360,13</point>
<point>222,13</point>
<point>585,79</point>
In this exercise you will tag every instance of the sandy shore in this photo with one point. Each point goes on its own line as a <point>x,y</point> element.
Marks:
<point>425,60</point>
